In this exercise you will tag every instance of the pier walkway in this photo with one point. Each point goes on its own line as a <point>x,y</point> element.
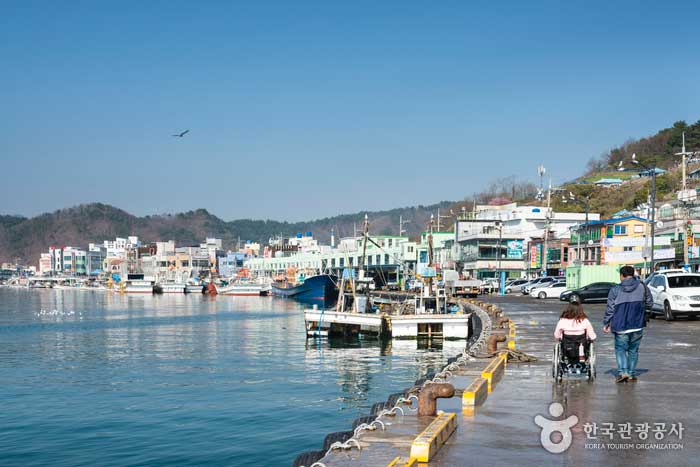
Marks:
<point>655,421</point>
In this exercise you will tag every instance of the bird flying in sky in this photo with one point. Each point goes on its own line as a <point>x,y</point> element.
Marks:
<point>180,135</point>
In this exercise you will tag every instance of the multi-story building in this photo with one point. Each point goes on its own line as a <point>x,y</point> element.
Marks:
<point>557,256</point>
<point>45,264</point>
<point>494,238</point>
<point>680,222</point>
<point>617,241</point>
<point>74,261</point>
<point>96,254</point>
<point>385,255</point>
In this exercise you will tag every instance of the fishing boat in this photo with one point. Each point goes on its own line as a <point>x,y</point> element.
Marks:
<point>243,288</point>
<point>172,287</point>
<point>195,287</point>
<point>360,309</point>
<point>138,283</point>
<point>302,287</point>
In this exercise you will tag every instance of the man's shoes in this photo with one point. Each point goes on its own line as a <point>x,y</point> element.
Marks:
<point>633,379</point>
<point>622,379</point>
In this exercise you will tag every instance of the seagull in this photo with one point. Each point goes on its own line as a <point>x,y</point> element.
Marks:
<point>180,135</point>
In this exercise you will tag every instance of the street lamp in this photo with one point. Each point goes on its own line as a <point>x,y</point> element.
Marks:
<point>651,169</point>
<point>501,282</point>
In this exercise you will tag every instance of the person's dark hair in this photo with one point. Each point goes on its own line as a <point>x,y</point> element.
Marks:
<point>574,311</point>
<point>627,271</point>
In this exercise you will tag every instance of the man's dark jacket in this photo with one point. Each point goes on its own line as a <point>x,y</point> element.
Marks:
<point>627,302</point>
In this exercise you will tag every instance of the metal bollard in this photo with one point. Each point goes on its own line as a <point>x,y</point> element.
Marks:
<point>501,321</point>
<point>427,399</point>
<point>492,342</point>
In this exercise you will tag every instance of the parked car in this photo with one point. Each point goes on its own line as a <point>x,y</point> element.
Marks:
<point>592,292</point>
<point>651,276</point>
<point>552,290</point>
<point>539,282</point>
<point>675,294</point>
<point>515,285</point>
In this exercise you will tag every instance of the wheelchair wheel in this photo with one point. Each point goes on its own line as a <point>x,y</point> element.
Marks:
<point>556,367</point>
<point>591,363</point>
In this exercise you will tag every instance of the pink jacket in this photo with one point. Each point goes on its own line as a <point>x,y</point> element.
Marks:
<point>570,326</point>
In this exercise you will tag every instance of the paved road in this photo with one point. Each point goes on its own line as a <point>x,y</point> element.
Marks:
<point>503,431</point>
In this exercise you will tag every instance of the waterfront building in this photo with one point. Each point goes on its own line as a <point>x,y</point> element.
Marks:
<point>45,264</point>
<point>557,256</point>
<point>617,241</point>
<point>74,261</point>
<point>386,259</point>
<point>681,223</point>
<point>118,247</point>
<point>96,254</point>
<point>495,238</point>
<point>214,247</point>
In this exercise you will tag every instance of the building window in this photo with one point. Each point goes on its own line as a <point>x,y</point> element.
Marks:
<point>389,243</point>
<point>369,260</point>
<point>379,259</point>
<point>620,230</point>
<point>350,260</point>
<point>332,262</point>
<point>628,248</point>
<point>386,259</point>
<point>342,262</point>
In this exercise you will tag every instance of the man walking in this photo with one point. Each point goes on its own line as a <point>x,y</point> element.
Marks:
<point>625,317</point>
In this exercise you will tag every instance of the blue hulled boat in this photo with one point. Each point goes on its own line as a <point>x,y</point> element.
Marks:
<point>319,287</point>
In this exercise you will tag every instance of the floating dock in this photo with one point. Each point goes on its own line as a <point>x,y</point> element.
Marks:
<point>321,323</point>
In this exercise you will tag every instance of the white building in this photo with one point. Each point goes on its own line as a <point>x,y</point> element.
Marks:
<point>45,268</point>
<point>389,255</point>
<point>495,236</point>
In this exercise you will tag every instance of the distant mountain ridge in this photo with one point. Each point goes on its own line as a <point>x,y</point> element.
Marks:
<point>24,239</point>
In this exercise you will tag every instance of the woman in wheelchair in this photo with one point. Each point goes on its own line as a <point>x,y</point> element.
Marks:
<point>573,353</point>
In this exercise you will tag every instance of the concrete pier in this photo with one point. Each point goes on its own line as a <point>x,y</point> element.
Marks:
<point>655,421</point>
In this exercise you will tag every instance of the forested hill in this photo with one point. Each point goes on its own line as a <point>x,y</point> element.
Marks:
<point>659,149</point>
<point>24,239</point>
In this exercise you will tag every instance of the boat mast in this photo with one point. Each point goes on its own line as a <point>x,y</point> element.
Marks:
<point>430,255</point>
<point>365,230</point>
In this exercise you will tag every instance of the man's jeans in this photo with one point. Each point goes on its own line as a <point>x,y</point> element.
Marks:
<point>626,352</point>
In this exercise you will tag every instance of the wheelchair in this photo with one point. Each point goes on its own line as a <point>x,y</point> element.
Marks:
<point>574,355</point>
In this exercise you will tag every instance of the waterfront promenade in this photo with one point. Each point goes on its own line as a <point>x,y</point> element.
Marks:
<point>611,427</point>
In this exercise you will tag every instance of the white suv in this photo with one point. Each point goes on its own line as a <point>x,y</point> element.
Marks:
<point>675,294</point>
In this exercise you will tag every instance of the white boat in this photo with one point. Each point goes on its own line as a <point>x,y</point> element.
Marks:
<point>244,288</point>
<point>138,283</point>
<point>172,287</point>
<point>194,288</point>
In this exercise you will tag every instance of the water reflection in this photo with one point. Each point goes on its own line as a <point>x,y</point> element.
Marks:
<point>190,379</point>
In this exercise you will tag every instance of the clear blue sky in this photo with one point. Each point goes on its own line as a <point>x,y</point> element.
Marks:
<point>301,109</point>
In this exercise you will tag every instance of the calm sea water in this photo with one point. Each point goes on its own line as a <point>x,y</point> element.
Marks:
<point>91,378</point>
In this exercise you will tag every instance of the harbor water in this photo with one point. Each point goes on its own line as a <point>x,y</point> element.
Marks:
<point>96,378</point>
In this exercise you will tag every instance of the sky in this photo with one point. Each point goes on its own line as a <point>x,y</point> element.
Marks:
<point>305,109</point>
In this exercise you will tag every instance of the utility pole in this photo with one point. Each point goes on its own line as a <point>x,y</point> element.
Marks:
<point>401,224</point>
<point>652,170</point>
<point>546,229</point>
<point>500,274</point>
<point>683,199</point>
